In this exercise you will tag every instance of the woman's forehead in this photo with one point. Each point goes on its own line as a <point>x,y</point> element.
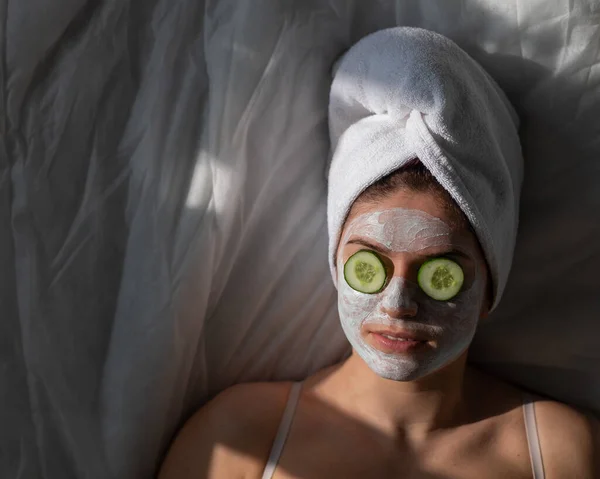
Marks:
<point>405,229</point>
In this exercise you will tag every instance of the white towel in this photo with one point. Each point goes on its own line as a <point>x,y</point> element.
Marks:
<point>405,93</point>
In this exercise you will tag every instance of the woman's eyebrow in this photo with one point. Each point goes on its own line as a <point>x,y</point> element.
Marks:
<point>379,248</point>
<point>383,250</point>
<point>454,252</point>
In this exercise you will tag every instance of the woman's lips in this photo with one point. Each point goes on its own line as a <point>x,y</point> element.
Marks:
<point>389,341</point>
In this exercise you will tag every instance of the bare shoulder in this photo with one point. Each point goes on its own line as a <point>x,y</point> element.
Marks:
<point>569,440</point>
<point>231,436</point>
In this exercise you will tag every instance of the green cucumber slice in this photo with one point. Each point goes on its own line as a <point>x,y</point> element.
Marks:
<point>441,278</point>
<point>365,272</point>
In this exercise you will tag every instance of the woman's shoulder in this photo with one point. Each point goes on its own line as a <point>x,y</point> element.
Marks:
<point>569,438</point>
<point>248,403</point>
<point>244,409</point>
<point>232,433</point>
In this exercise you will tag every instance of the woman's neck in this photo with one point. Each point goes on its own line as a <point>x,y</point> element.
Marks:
<point>414,408</point>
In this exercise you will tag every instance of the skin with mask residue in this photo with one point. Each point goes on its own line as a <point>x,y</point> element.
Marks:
<point>447,326</point>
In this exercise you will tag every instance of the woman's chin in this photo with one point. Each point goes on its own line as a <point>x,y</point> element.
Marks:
<point>401,373</point>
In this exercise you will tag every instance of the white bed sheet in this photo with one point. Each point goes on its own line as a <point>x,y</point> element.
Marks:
<point>162,209</point>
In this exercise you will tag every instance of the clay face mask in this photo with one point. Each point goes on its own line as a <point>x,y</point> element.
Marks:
<point>449,326</point>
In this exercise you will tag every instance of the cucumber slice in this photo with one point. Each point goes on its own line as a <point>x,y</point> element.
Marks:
<point>365,272</point>
<point>441,278</point>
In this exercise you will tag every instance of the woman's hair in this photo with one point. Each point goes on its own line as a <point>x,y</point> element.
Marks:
<point>413,176</point>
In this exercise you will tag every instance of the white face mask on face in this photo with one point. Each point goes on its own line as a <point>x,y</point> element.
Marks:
<point>448,325</point>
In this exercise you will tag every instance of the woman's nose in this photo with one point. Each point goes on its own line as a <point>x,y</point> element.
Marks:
<point>399,299</point>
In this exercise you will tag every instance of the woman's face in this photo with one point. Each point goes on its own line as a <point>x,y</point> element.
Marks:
<point>401,333</point>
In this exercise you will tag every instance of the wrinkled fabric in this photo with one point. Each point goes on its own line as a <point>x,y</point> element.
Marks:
<point>162,209</point>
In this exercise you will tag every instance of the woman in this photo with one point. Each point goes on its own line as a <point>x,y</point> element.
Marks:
<point>422,213</point>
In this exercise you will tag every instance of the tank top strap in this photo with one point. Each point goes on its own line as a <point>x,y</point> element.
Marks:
<point>283,431</point>
<point>533,440</point>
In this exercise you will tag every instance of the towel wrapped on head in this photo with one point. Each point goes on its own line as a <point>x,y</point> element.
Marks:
<point>405,93</point>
